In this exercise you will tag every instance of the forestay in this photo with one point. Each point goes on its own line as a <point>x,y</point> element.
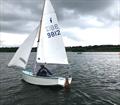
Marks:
<point>51,48</point>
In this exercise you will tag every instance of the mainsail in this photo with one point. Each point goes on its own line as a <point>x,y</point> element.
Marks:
<point>20,58</point>
<point>51,48</point>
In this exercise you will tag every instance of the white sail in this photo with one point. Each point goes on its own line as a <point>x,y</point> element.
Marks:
<point>51,48</point>
<point>20,58</point>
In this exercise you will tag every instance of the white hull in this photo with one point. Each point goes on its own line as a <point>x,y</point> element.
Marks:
<point>44,81</point>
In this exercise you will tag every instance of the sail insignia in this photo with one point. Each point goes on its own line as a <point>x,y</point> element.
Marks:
<point>50,20</point>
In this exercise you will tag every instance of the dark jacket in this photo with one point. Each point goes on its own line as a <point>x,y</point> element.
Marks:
<point>43,72</point>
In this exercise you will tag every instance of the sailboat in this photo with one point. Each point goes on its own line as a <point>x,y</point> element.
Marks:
<point>50,50</point>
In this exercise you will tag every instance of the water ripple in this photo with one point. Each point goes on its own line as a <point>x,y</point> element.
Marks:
<point>96,81</point>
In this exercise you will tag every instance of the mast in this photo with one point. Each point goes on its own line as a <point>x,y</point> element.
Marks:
<point>39,34</point>
<point>40,24</point>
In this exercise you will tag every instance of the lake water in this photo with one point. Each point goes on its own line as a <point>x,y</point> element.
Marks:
<point>96,81</point>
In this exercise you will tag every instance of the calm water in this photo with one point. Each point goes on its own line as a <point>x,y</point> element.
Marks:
<point>96,81</point>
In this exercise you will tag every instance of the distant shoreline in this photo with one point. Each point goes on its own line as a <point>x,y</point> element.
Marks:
<point>95,48</point>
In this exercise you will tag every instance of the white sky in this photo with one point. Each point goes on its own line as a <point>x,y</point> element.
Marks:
<point>80,26</point>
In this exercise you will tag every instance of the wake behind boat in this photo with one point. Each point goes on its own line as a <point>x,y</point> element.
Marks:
<point>50,50</point>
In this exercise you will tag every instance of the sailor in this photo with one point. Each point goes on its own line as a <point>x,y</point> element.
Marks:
<point>43,71</point>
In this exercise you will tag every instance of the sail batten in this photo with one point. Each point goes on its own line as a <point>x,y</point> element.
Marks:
<point>51,47</point>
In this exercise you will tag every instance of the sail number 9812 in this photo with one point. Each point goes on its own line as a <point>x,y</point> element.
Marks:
<point>53,33</point>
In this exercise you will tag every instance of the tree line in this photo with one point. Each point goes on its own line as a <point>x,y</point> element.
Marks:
<point>95,48</point>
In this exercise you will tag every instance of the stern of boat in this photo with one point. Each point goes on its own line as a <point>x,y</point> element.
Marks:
<point>64,81</point>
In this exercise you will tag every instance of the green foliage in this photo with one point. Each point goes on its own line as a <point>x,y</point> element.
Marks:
<point>12,49</point>
<point>96,48</point>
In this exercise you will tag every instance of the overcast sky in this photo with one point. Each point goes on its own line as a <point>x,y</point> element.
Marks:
<point>83,22</point>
